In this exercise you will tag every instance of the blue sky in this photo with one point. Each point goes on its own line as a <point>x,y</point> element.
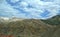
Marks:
<point>37,9</point>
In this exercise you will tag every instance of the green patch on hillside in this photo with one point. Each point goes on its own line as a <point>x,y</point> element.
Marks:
<point>53,21</point>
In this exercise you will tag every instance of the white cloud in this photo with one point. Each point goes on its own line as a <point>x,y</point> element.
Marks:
<point>14,1</point>
<point>35,10</point>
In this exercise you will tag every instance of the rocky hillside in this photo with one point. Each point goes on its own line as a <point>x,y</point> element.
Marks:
<point>30,28</point>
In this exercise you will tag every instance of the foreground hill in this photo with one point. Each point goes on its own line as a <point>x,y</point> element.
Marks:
<point>30,27</point>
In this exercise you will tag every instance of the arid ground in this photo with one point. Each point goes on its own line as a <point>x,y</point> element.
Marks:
<point>31,28</point>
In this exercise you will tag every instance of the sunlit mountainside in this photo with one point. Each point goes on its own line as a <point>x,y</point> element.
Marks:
<point>30,27</point>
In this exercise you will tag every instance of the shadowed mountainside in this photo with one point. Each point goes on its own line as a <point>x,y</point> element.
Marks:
<point>53,21</point>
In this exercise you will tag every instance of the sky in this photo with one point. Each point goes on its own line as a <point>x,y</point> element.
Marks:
<point>36,9</point>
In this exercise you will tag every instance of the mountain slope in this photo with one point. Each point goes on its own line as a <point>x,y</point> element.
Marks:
<point>31,28</point>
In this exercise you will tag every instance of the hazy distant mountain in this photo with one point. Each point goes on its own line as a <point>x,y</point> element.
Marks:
<point>6,19</point>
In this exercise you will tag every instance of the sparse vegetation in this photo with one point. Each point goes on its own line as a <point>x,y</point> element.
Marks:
<point>31,28</point>
<point>53,21</point>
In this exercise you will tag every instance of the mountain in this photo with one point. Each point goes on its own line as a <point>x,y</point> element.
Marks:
<point>6,19</point>
<point>31,27</point>
<point>53,21</point>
